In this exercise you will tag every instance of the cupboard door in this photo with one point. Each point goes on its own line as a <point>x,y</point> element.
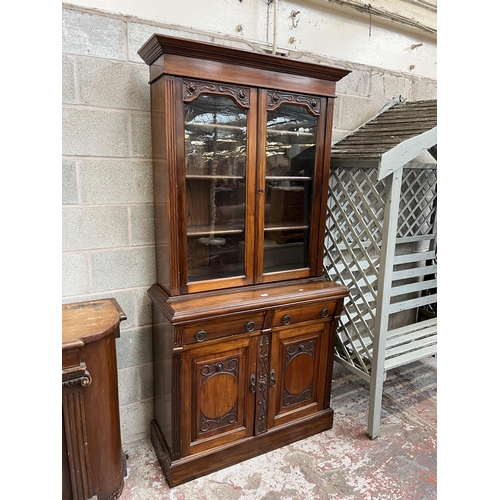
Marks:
<point>219,171</point>
<point>219,394</point>
<point>292,130</point>
<point>297,372</point>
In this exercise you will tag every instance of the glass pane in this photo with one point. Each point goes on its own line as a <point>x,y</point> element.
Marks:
<point>215,153</point>
<point>290,159</point>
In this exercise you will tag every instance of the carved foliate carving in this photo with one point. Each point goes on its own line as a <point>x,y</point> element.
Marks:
<point>276,99</point>
<point>228,366</point>
<point>302,348</point>
<point>192,89</point>
<point>209,424</point>
<point>262,386</point>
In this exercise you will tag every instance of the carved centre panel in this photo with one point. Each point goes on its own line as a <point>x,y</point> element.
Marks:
<point>219,394</point>
<point>299,372</point>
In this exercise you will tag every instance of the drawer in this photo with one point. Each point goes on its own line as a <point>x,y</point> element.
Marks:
<point>222,327</point>
<point>292,315</point>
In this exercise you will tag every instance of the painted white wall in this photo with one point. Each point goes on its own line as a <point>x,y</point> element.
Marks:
<point>322,28</point>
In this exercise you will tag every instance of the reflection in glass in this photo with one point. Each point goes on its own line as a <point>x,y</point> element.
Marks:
<point>290,159</point>
<point>215,155</point>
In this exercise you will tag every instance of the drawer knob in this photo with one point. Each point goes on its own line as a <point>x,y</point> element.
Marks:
<point>324,312</point>
<point>250,326</point>
<point>200,335</point>
<point>286,319</point>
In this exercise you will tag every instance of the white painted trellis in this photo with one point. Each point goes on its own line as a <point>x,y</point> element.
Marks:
<point>381,242</point>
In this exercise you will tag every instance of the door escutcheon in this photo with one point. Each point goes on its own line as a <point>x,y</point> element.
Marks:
<point>253,386</point>
<point>272,382</point>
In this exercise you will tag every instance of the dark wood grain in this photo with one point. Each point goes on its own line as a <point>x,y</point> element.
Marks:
<point>161,184</point>
<point>194,466</point>
<point>302,372</point>
<point>92,453</point>
<point>323,177</point>
<point>181,204</point>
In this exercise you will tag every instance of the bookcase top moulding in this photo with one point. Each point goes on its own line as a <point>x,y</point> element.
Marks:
<point>177,50</point>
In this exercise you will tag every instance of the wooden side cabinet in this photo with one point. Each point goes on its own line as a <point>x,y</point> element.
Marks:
<point>242,372</point>
<point>92,463</point>
<point>244,324</point>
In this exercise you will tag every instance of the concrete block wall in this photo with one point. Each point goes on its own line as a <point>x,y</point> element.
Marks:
<point>107,195</point>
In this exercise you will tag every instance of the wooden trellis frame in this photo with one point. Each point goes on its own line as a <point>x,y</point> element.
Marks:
<point>381,242</point>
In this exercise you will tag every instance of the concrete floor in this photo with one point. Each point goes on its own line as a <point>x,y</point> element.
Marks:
<point>342,463</point>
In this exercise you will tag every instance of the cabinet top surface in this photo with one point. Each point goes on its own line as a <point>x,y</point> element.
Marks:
<point>84,322</point>
<point>258,297</point>
<point>159,45</point>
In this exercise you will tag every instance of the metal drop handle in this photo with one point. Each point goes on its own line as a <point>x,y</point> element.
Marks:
<point>286,319</point>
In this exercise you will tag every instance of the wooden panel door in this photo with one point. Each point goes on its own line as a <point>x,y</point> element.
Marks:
<point>218,393</point>
<point>298,365</point>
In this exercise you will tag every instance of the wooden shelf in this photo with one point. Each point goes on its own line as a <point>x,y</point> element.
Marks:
<point>193,231</point>
<point>285,226</point>
<point>204,273</point>
<point>202,177</point>
<point>217,126</point>
<point>288,178</point>
<point>290,132</point>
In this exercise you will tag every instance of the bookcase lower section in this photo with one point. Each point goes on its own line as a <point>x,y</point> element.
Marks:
<point>240,373</point>
<point>201,464</point>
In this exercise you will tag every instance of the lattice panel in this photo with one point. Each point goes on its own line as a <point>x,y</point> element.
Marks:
<point>417,208</point>
<point>353,245</point>
<point>352,256</point>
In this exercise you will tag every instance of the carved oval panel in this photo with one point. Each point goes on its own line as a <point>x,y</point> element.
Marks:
<point>218,395</point>
<point>299,374</point>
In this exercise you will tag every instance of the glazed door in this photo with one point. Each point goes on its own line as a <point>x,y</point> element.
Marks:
<point>219,388</point>
<point>219,170</point>
<point>291,137</point>
<point>297,371</point>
